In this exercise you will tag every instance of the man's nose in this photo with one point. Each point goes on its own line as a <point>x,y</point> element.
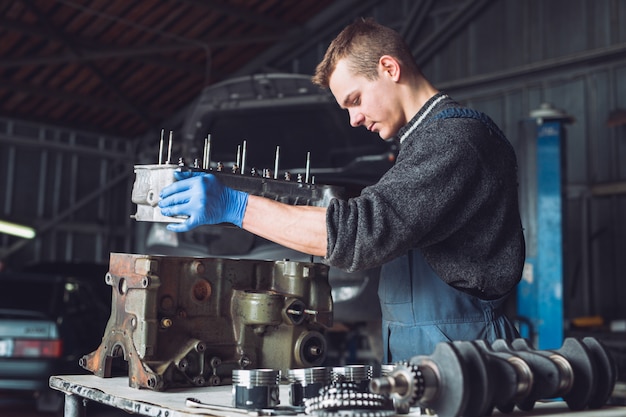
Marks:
<point>356,118</point>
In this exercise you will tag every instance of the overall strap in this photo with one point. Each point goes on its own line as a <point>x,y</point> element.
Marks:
<point>465,113</point>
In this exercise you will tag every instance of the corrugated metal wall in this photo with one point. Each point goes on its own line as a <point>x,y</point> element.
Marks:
<point>72,187</point>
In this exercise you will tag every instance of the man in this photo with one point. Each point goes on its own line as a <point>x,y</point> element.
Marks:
<point>443,222</point>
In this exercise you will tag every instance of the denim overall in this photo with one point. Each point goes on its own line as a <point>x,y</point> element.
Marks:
<point>420,310</point>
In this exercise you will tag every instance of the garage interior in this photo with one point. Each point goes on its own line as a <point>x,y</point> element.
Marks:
<point>90,88</point>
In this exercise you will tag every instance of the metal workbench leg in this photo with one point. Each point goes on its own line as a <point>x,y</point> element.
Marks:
<point>74,406</point>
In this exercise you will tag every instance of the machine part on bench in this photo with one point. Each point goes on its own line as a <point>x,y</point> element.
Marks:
<point>607,375</point>
<point>546,374</point>
<point>446,382</point>
<point>196,403</point>
<point>471,378</point>
<point>345,399</point>
<point>306,383</point>
<point>404,384</point>
<point>387,368</point>
<point>442,383</point>
<point>506,367</point>
<point>591,364</point>
<point>593,367</point>
<point>256,389</point>
<point>360,375</point>
<point>480,402</point>
<point>191,321</point>
<point>275,411</point>
<point>573,358</point>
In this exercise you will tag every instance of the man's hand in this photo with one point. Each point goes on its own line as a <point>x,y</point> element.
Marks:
<point>204,199</point>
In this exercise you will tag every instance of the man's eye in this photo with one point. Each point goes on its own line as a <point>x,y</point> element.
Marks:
<point>356,102</point>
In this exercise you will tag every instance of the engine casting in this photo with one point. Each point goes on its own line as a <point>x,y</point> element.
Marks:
<point>189,321</point>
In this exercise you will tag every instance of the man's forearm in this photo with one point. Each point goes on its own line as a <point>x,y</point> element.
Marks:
<point>302,228</point>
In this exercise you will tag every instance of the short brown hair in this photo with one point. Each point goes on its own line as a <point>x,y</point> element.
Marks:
<point>364,41</point>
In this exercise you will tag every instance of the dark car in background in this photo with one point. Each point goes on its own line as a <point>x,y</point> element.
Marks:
<point>288,112</point>
<point>50,316</point>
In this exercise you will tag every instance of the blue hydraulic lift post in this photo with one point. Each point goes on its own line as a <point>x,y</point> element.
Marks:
<point>540,293</point>
<point>549,272</point>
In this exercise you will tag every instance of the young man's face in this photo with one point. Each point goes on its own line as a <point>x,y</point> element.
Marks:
<point>372,104</point>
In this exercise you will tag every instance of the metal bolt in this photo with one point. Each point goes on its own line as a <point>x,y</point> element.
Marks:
<point>215,362</point>
<point>198,268</point>
<point>244,361</point>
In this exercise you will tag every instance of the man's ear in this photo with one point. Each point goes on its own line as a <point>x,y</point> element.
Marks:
<point>388,66</point>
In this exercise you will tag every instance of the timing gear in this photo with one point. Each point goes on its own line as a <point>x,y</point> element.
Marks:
<point>409,381</point>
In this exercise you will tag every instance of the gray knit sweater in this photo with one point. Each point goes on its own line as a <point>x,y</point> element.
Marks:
<point>452,194</point>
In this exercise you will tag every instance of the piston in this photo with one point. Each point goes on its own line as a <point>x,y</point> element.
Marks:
<point>387,369</point>
<point>359,374</point>
<point>256,388</point>
<point>307,382</point>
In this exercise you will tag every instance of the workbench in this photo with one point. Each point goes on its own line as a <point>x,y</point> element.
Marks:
<point>116,393</point>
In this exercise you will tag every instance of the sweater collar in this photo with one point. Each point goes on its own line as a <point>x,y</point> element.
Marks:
<point>426,109</point>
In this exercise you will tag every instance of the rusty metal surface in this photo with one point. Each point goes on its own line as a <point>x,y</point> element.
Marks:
<point>187,321</point>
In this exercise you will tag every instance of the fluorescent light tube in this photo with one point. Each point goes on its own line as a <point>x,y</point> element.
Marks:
<point>17,230</point>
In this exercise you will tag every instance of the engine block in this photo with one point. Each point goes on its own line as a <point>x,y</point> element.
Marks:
<point>190,321</point>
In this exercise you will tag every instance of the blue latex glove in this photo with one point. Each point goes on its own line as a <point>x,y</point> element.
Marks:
<point>204,199</point>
